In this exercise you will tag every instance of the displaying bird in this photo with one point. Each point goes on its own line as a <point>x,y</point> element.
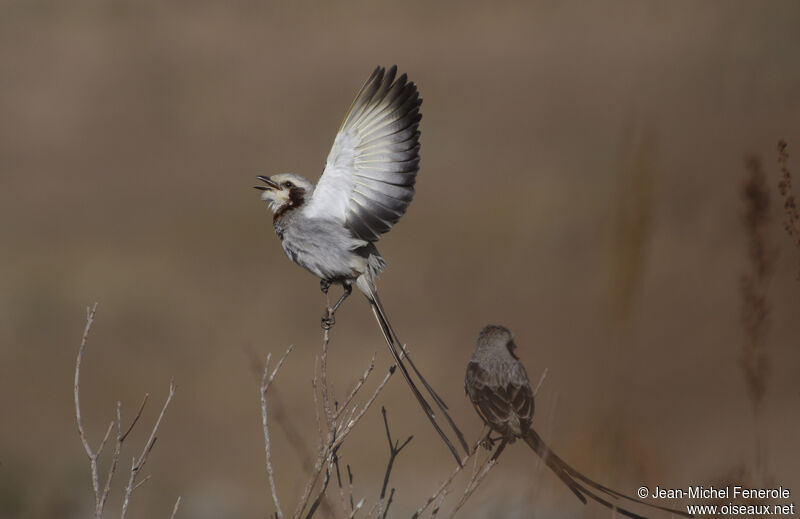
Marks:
<point>498,386</point>
<point>331,228</point>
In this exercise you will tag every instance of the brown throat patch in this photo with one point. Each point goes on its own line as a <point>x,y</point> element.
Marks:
<point>297,197</point>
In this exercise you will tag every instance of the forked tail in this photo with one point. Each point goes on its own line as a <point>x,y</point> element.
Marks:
<point>394,345</point>
<point>568,475</point>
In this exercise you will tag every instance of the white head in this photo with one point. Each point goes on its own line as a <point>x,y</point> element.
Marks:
<point>285,191</point>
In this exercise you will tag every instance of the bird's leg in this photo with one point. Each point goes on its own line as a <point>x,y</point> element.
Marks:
<point>499,450</point>
<point>324,285</point>
<point>328,320</point>
<point>348,289</point>
<point>487,442</point>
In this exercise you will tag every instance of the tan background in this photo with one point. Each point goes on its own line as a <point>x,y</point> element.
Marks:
<point>579,184</point>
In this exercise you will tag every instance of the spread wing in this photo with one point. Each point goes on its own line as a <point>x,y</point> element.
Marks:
<point>501,399</point>
<point>369,176</point>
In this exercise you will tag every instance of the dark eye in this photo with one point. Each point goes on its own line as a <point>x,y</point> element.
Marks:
<point>511,345</point>
<point>288,185</point>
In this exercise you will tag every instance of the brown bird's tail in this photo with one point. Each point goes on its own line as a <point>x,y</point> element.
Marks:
<point>571,478</point>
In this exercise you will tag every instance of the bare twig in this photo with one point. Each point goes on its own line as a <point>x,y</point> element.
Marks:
<point>477,479</point>
<point>339,422</point>
<point>541,381</point>
<point>326,400</point>
<point>175,508</point>
<point>279,413</point>
<point>326,434</point>
<point>388,504</point>
<point>142,482</point>
<point>99,499</point>
<point>315,390</point>
<point>356,387</point>
<point>138,463</point>
<point>348,426</point>
<point>339,483</point>
<point>101,496</point>
<point>266,382</point>
<point>443,488</point>
<point>350,488</point>
<point>321,494</point>
<point>135,418</point>
<point>394,450</point>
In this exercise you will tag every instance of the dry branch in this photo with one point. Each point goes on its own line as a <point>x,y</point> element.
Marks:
<point>336,419</point>
<point>265,384</point>
<point>101,495</point>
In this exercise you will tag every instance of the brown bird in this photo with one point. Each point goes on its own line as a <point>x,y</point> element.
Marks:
<point>498,386</point>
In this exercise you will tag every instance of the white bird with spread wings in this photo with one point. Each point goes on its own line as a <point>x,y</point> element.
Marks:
<point>330,229</point>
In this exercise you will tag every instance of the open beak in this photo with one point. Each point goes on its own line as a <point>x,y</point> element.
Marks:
<point>270,184</point>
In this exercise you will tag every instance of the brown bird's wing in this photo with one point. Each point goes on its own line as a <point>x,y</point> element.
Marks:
<point>502,397</point>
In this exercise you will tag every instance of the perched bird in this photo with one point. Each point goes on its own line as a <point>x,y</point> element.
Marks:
<point>330,229</point>
<point>498,386</point>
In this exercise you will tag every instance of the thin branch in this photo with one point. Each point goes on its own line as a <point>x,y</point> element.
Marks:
<point>118,444</point>
<point>326,400</point>
<point>340,421</point>
<point>444,486</point>
<point>357,386</point>
<point>142,482</point>
<point>135,418</point>
<point>138,463</point>
<point>265,384</point>
<point>353,421</point>
<point>320,494</point>
<point>101,496</point>
<point>541,381</point>
<point>175,508</point>
<point>339,482</point>
<point>98,501</point>
<point>315,389</point>
<point>388,504</point>
<point>115,457</point>
<point>394,450</point>
<point>90,313</point>
<point>350,488</point>
<point>326,441</point>
<point>477,479</point>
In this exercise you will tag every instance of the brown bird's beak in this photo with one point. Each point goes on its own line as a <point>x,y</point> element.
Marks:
<point>270,184</point>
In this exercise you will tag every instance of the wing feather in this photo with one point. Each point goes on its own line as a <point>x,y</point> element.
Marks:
<point>502,398</point>
<point>369,176</point>
<point>382,191</point>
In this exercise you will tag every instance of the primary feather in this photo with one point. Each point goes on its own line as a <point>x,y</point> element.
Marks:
<point>369,176</point>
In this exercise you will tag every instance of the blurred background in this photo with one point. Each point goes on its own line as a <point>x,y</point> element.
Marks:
<point>580,183</point>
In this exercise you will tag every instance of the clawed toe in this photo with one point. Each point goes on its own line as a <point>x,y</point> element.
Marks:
<point>328,322</point>
<point>487,443</point>
<point>324,285</point>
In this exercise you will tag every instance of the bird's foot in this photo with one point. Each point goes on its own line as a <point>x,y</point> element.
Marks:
<point>328,320</point>
<point>488,442</point>
<point>324,285</point>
